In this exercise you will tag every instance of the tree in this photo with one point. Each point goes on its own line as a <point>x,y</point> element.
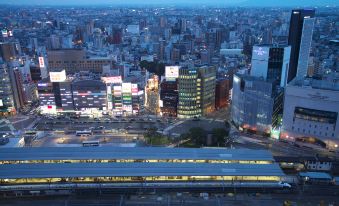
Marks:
<point>220,136</point>
<point>198,135</point>
<point>152,137</point>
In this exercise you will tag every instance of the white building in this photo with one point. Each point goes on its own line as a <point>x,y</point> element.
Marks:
<point>311,112</point>
<point>271,62</point>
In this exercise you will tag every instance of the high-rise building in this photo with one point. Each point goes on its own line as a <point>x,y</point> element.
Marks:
<point>300,39</point>
<point>188,106</point>
<point>6,94</point>
<point>256,104</point>
<point>169,98</point>
<point>311,112</point>
<point>271,62</point>
<point>152,95</point>
<point>17,88</point>
<point>196,88</point>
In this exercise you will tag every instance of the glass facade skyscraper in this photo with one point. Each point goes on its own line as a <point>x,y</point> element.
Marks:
<point>300,39</point>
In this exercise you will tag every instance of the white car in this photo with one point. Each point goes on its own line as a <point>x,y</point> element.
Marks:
<point>284,185</point>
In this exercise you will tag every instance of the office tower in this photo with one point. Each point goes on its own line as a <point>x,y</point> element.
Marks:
<point>169,98</point>
<point>17,88</point>
<point>256,104</point>
<point>196,88</point>
<point>300,39</point>
<point>311,112</point>
<point>7,106</point>
<point>206,89</point>
<point>271,62</point>
<point>152,95</point>
<point>188,106</point>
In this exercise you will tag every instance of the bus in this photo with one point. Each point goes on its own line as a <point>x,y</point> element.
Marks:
<point>83,133</point>
<point>94,143</point>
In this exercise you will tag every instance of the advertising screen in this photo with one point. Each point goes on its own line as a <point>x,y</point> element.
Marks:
<point>4,33</point>
<point>58,76</point>
<point>112,80</point>
<point>41,62</point>
<point>126,87</point>
<point>171,72</point>
<point>135,89</point>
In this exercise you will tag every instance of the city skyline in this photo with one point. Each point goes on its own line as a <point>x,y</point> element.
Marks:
<point>171,102</point>
<point>245,3</point>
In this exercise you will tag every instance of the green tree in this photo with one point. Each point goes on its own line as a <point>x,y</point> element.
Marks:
<point>198,135</point>
<point>219,135</point>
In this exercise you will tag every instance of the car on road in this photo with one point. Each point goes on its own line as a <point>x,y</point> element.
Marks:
<point>284,185</point>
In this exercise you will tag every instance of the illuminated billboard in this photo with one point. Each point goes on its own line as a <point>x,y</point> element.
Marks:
<point>41,62</point>
<point>135,89</point>
<point>4,33</point>
<point>112,80</point>
<point>1,103</point>
<point>126,87</point>
<point>171,72</point>
<point>58,76</point>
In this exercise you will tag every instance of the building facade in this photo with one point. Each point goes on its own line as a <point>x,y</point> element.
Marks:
<point>169,98</point>
<point>271,62</point>
<point>222,93</point>
<point>7,106</point>
<point>311,112</point>
<point>75,60</point>
<point>89,96</point>
<point>196,88</point>
<point>256,104</point>
<point>300,39</point>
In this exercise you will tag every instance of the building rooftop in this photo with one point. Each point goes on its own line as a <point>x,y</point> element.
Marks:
<point>151,153</point>
<point>12,171</point>
<point>315,175</point>
<point>316,84</point>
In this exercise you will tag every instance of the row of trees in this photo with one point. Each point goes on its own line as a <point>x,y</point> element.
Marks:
<point>153,137</point>
<point>199,137</point>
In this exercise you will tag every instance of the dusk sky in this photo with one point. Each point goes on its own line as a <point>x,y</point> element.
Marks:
<point>301,3</point>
